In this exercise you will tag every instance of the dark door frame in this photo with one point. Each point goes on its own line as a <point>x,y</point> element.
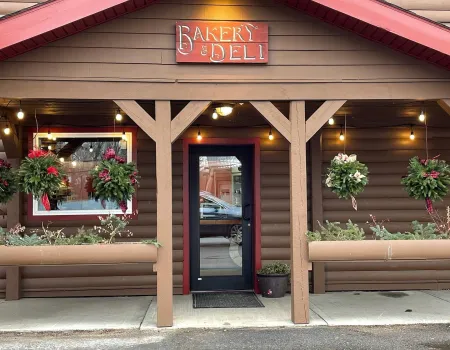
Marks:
<point>256,231</point>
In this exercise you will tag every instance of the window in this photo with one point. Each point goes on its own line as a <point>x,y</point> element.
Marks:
<point>80,152</point>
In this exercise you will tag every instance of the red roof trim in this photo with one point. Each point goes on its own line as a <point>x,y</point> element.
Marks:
<point>395,20</point>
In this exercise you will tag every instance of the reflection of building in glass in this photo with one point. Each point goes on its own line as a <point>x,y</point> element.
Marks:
<point>221,176</point>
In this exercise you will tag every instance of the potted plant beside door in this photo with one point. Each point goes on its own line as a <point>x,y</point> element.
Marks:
<point>273,279</point>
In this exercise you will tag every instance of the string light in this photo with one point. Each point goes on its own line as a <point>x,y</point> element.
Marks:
<point>199,135</point>
<point>341,135</point>
<point>124,136</point>
<point>215,115</point>
<point>20,113</point>
<point>7,130</point>
<point>331,121</point>
<point>271,135</point>
<point>49,135</point>
<point>49,147</point>
<point>91,149</point>
<point>61,159</point>
<point>119,116</point>
<point>412,136</point>
<point>422,116</point>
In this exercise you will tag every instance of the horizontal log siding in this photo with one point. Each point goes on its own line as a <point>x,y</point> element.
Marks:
<point>140,47</point>
<point>107,280</point>
<point>386,153</point>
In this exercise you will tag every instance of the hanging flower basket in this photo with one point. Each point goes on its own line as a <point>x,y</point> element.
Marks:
<point>8,182</point>
<point>347,177</point>
<point>427,179</point>
<point>41,174</point>
<point>114,179</point>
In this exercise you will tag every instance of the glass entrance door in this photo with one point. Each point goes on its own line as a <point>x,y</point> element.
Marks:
<point>221,195</point>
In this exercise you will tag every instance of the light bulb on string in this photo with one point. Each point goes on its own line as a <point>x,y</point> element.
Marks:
<point>271,135</point>
<point>49,147</point>
<point>20,113</point>
<point>412,136</point>
<point>7,130</point>
<point>61,159</point>
<point>215,115</point>
<point>74,163</point>
<point>341,135</point>
<point>331,121</point>
<point>199,135</point>
<point>124,136</point>
<point>119,116</point>
<point>422,116</point>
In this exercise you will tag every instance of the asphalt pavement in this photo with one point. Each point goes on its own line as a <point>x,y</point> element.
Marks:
<point>412,337</point>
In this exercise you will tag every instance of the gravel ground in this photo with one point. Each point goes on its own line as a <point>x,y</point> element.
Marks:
<point>422,337</point>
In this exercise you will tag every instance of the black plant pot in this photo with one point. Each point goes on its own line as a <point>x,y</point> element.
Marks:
<point>273,286</point>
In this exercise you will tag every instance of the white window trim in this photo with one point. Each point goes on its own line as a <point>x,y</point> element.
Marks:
<point>98,135</point>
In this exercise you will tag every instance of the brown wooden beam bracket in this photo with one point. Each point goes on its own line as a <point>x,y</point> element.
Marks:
<point>445,105</point>
<point>274,117</point>
<point>139,116</point>
<point>186,117</point>
<point>320,117</point>
<point>299,219</point>
<point>12,283</point>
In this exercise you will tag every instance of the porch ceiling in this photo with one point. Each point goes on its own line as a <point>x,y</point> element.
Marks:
<point>375,20</point>
<point>370,113</point>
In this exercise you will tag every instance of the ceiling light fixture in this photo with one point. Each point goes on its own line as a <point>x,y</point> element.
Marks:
<point>215,115</point>
<point>199,135</point>
<point>119,116</point>
<point>223,111</point>
<point>271,135</point>
<point>331,121</point>
<point>7,130</point>
<point>412,136</point>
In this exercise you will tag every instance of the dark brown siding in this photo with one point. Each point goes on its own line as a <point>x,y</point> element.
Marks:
<point>438,11</point>
<point>386,152</point>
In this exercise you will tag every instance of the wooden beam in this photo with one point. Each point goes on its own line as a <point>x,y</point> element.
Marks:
<point>320,117</point>
<point>12,283</point>
<point>299,217</point>
<point>186,117</point>
<point>274,117</point>
<point>316,180</point>
<point>164,278</point>
<point>139,116</point>
<point>445,105</point>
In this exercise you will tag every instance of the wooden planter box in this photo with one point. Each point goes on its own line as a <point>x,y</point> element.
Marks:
<point>118,253</point>
<point>379,250</point>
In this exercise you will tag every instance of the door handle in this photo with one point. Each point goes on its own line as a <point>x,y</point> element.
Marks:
<point>245,215</point>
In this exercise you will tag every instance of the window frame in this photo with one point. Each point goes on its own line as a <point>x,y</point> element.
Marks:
<point>33,214</point>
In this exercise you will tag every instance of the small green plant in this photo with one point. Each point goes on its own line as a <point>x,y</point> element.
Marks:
<point>332,231</point>
<point>275,268</point>
<point>419,232</point>
<point>152,242</point>
<point>112,226</point>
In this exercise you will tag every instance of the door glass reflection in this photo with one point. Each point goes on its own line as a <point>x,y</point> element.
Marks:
<point>220,216</point>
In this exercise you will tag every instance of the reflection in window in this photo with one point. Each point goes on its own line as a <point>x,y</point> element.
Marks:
<point>80,153</point>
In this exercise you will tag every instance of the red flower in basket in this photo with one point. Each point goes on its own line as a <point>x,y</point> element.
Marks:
<point>37,154</point>
<point>120,160</point>
<point>51,170</point>
<point>104,175</point>
<point>123,206</point>
<point>4,164</point>
<point>109,154</point>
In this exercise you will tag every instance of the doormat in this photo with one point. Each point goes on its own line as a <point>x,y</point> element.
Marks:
<point>225,300</point>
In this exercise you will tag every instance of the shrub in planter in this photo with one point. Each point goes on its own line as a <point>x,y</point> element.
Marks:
<point>273,279</point>
<point>114,180</point>
<point>8,182</point>
<point>332,231</point>
<point>41,174</point>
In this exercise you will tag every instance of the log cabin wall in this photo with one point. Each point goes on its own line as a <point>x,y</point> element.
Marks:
<point>438,11</point>
<point>386,152</point>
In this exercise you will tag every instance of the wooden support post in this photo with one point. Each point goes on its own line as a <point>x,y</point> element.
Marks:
<point>299,220</point>
<point>164,287</point>
<point>12,283</point>
<point>319,281</point>
<point>316,181</point>
<point>320,117</point>
<point>13,207</point>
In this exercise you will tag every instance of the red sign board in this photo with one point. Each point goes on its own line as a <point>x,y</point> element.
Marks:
<point>222,42</point>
